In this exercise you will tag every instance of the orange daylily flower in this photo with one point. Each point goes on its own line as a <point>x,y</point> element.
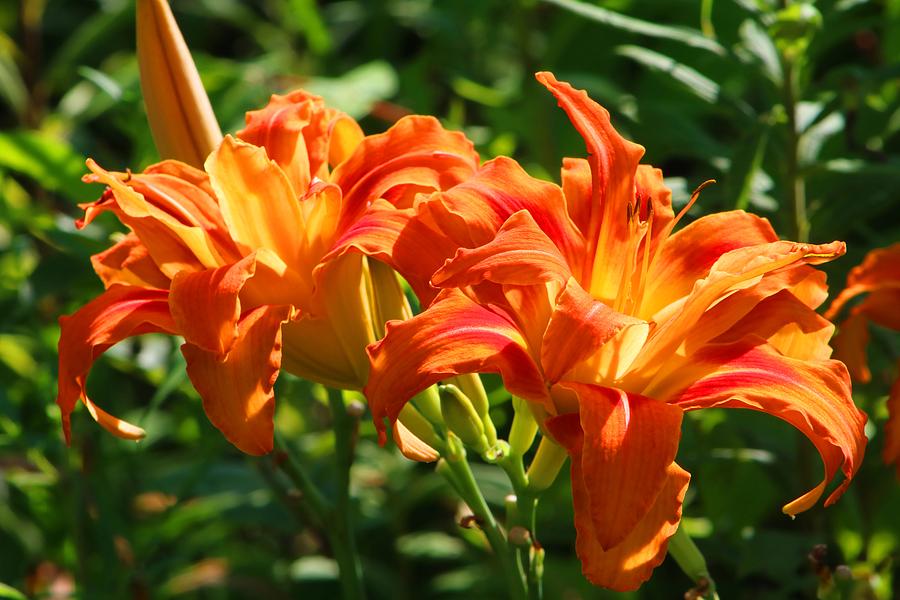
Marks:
<point>878,276</point>
<point>611,324</point>
<point>231,258</point>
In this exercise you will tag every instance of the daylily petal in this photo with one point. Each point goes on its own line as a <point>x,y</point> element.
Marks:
<point>128,262</point>
<point>880,269</point>
<point>520,254</point>
<point>311,350</point>
<point>415,153</point>
<point>627,565</point>
<point>891,451</point>
<point>576,185</point>
<point>578,327</point>
<point>257,201</point>
<point>181,118</point>
<point>121,311</point>
<point>237,391</point>
<point>613,162</point>
<point>733,270</point>
<point>173,235</point>
<point>813,396</point>
<point>472,212</point>
<point>455,336</point>
<point>788,325</point>
<point>688,255</point>
<point>850,346</point>
<point>411,446</point>
<point>629,443</point>
<point>206,307</point>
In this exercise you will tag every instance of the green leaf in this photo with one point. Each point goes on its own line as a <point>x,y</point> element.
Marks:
<point>690,37</point>
<point>7,591</point>
<point>49,160</point>
<point>700,85</point>
<point>358,90</point>
<point>745,164</point>
<point>756,41</point>
<point>430,545</point>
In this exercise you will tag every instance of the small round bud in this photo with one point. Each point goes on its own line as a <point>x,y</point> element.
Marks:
<point>519,536</point>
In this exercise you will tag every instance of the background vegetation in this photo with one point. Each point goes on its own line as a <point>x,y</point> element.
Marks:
<point>778,103</point>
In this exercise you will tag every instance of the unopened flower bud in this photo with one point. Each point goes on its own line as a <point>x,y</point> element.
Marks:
<point>461,418</point>
<point>519,536</point>
<point>524,428</point>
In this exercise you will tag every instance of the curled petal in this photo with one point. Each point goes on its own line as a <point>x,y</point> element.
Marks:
<point>627,565</point>
<point>416,153</point>
<point>411,446</point>
<point>578,327</point>
<point>237,390</point>
<point>206,306</point>
<point>813,396</point>
<point>689,254</point>
<point>452,337</point>
<point>520,254</point>
<point>734,270</point>
<point>120,312</point>
<point>850,346</point>
<point>128,262</point>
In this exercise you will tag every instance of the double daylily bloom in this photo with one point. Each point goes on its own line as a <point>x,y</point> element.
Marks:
<point>612,325</point>
<point>878,277</point>
<point>234,259</point>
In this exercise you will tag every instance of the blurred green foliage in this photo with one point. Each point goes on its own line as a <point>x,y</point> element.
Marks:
<point>753,93</point>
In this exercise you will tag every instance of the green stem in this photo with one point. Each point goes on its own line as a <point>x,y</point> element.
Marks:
<point>685,552</point>
<point>345,552</point>
<point>524,515</point>
<point>455,468</point>
<point>796,185</point>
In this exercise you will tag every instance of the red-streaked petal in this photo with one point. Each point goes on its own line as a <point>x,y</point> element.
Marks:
<point>471,213</point>
<point>625,566</point>
<point>576,185</point>
<point>578,327</point>
<point>237,391</point>
<point>880,269</point>
<point>120,312</point>
<point>629,443</point>
<point>520,254</point>
<point>257,200</point>
<point>128,262</point>
<point>206,306</point>
<point>452,337</point>
<point>688,256</point>
<point>613,161</point>
<point>733,270</point>
<point>417,152</point>
<point>891,451</point>
<point>813,396</point>
<point>401,239</point>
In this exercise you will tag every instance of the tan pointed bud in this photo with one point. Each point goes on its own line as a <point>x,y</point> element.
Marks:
<point>461,418</point>
<point>182,121</point>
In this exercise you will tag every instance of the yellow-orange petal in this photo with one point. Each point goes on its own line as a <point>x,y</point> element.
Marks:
<point>237,391</point>
<point>626,566</point>
<point>454,336</point>
<point>879,270</point>
<point>578,327</point>
<point>850,346</point>
<point>181,118</point>
<point>257,201</point>
<point>813,396</point>
<point>128,262</point>
<point>206,304</point>
<point>411,446</point>
<point>120,312</point>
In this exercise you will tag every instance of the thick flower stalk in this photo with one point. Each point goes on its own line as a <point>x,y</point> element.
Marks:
<point>611,325</point>
<point>231,258</point>
<point>878,278</point>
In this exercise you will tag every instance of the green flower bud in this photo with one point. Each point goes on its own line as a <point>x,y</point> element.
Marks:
<point>524,428</point>
<point>461,418</point>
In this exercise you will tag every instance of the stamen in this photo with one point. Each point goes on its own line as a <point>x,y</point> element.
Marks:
<point>690,203</point>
